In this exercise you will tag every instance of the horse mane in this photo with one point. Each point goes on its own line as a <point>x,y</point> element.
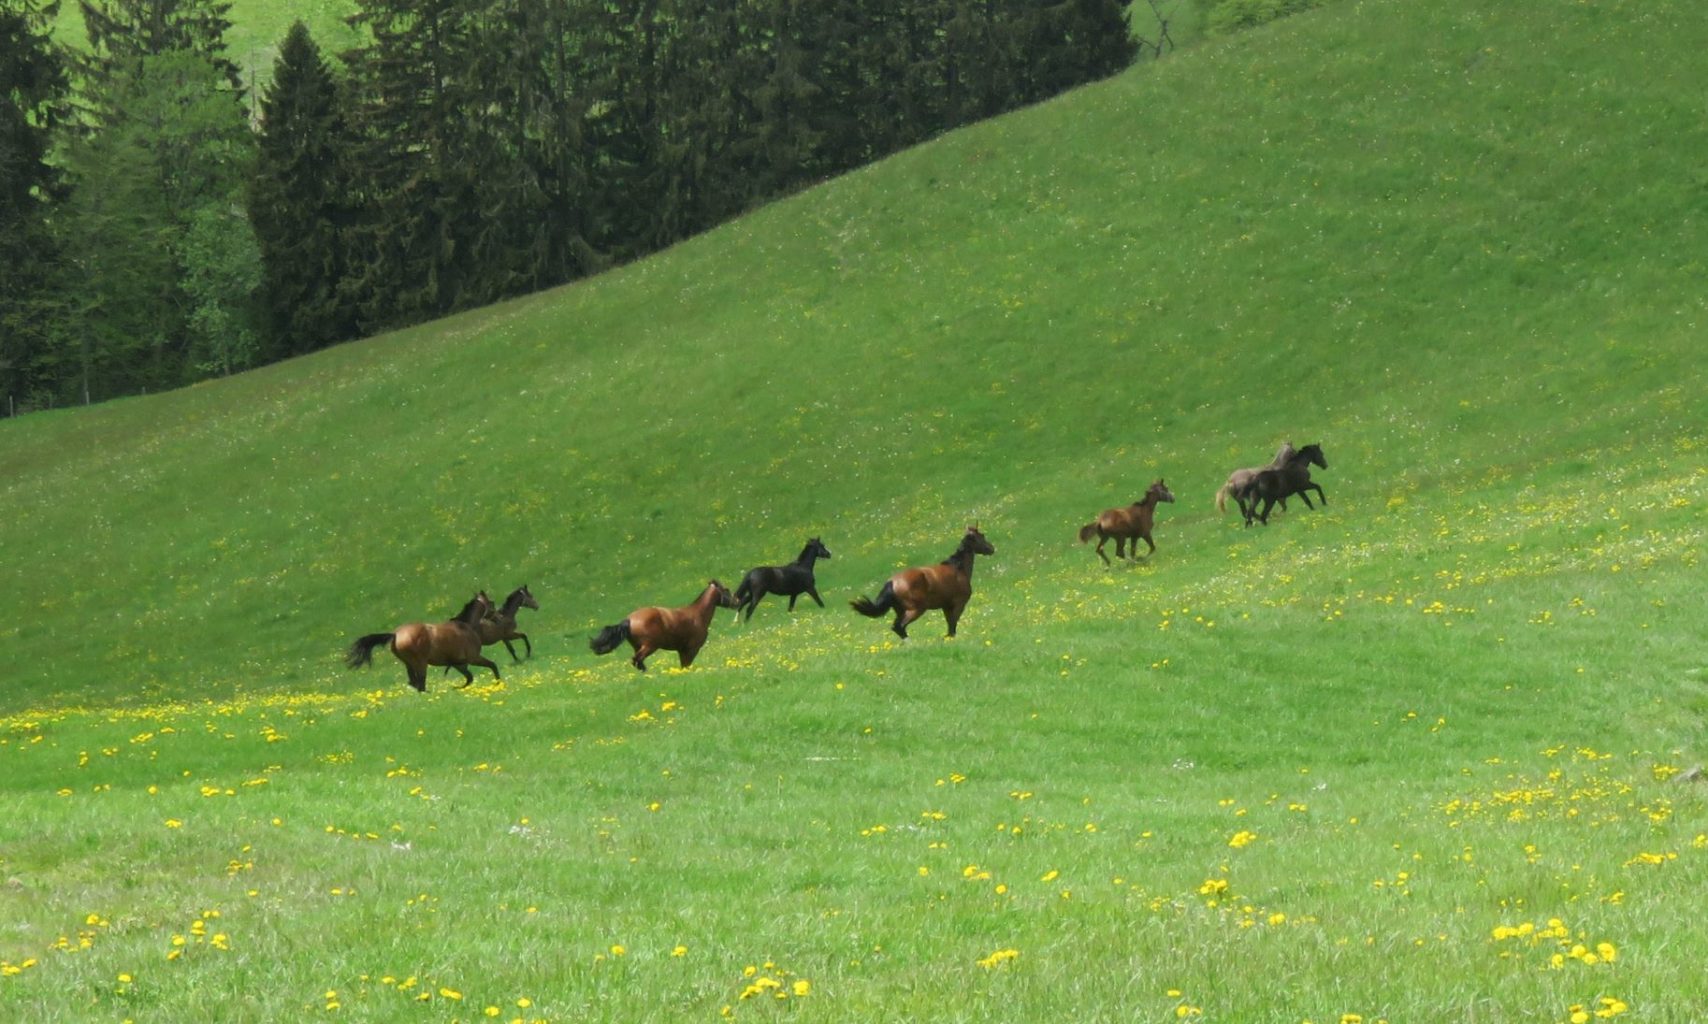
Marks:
<point>513,602</point>
<point>467,614</point>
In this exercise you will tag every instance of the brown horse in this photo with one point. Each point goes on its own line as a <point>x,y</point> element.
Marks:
<point>499,626</point>
<point>913,592</point>
<point>1130,523</point>
<point>455,644</point>
<point>682,630</point>
<point>1275,485</point>
<point>1240,477</point>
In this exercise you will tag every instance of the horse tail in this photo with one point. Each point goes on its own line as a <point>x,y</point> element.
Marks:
<point>743,592</point>
<point>362,651</point>
<point>610,638</point>
<point>872,609</point>
<point>1222,498</point>
<point>1088,531</point>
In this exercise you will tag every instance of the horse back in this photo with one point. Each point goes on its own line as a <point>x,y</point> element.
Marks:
<point>667,628</point>
<point>930,587</point>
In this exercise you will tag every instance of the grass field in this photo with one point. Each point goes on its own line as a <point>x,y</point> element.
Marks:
<point>1424,754</point>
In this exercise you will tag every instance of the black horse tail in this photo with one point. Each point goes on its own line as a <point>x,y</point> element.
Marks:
<point>745,591</point>
<point>362,651</point>
<point>872,609</point>
<point>610,638</point>
<point>1088,531</point>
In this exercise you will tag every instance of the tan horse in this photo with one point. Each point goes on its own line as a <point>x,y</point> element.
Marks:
<point>1130,523</point>
<point>682,630</point>
<point>913,592</point>
<point>1240,478</point>
<point>417,644</point>
<point>499,626</point>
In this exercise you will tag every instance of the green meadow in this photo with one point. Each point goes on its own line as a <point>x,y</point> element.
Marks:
<point>1428,753</point>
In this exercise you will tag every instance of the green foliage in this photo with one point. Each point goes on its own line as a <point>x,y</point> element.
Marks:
<point>174,146</point>
<point>299,201</point>
<point>34,89</point>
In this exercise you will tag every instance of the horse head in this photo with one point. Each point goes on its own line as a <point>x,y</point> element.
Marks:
<point>1313,454</point>
<point>721,595</point>
<point>816,548</point>
<point>528,598</point>
<point>1160,491</point>
<point>975,542</point>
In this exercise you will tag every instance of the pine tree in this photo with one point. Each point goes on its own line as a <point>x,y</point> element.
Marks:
<point>174,146</point>
<point>418,160</point>
<point>34,89</point>
<point>121,32</point>
<point>299,201</point>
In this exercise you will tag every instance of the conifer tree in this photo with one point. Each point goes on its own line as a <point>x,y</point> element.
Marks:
<point>34,88</point>
<point>299,203</point>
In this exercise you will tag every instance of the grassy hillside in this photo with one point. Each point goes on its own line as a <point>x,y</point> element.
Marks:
<point>1415,754</point>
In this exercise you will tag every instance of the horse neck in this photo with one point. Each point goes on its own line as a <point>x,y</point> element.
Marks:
<point>807,557</point>
<point>962,560</point>
<point>706,605</point>
<point>1146,503</point>
<point>470,615</point>
<point>511,603</point>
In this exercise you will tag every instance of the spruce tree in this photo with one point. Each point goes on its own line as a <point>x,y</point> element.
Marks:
<point>33,92</point>
<point>299,202</point>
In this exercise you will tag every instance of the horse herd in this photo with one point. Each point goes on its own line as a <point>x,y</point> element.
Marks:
<point>908,594</point>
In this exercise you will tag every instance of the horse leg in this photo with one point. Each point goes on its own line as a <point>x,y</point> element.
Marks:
<point>468,677</point>
<point>512,651</point>
<point>905,617</point>
<point>686,655</point>
<point>812,592</point>
<point>417,677</point>
<point>525,643</point>
<point>1304,497</point>
<point>952,612</point>
<point>483,662</point>
<point>642,651</point>
<point>1320,495</point>
<point>753,597</point>
<point>1148,541</point>
<point>1102,538</point>
<point>792,598</point>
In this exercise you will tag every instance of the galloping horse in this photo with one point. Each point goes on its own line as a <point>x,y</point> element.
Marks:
<point>1240,477</point>
<point>913,592</point>
<point>793,579</point>
<point>682,630</point>
<point>455,644</point>
<point>1132,522</point>
<point>1273,485</point>
<point>500,626</point>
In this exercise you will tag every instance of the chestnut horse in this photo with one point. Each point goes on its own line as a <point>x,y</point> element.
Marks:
<point>499,626</point>
<point>1275,485</point>
<point>1240,477</point>
<point>1130,523</point>
<point>682,630</point>
<point>913,592</point>
<point>455,644</point>
<point>793,579</point>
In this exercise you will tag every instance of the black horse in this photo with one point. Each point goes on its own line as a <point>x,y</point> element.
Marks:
<point>793,579</point>
<point>1273,485</point>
